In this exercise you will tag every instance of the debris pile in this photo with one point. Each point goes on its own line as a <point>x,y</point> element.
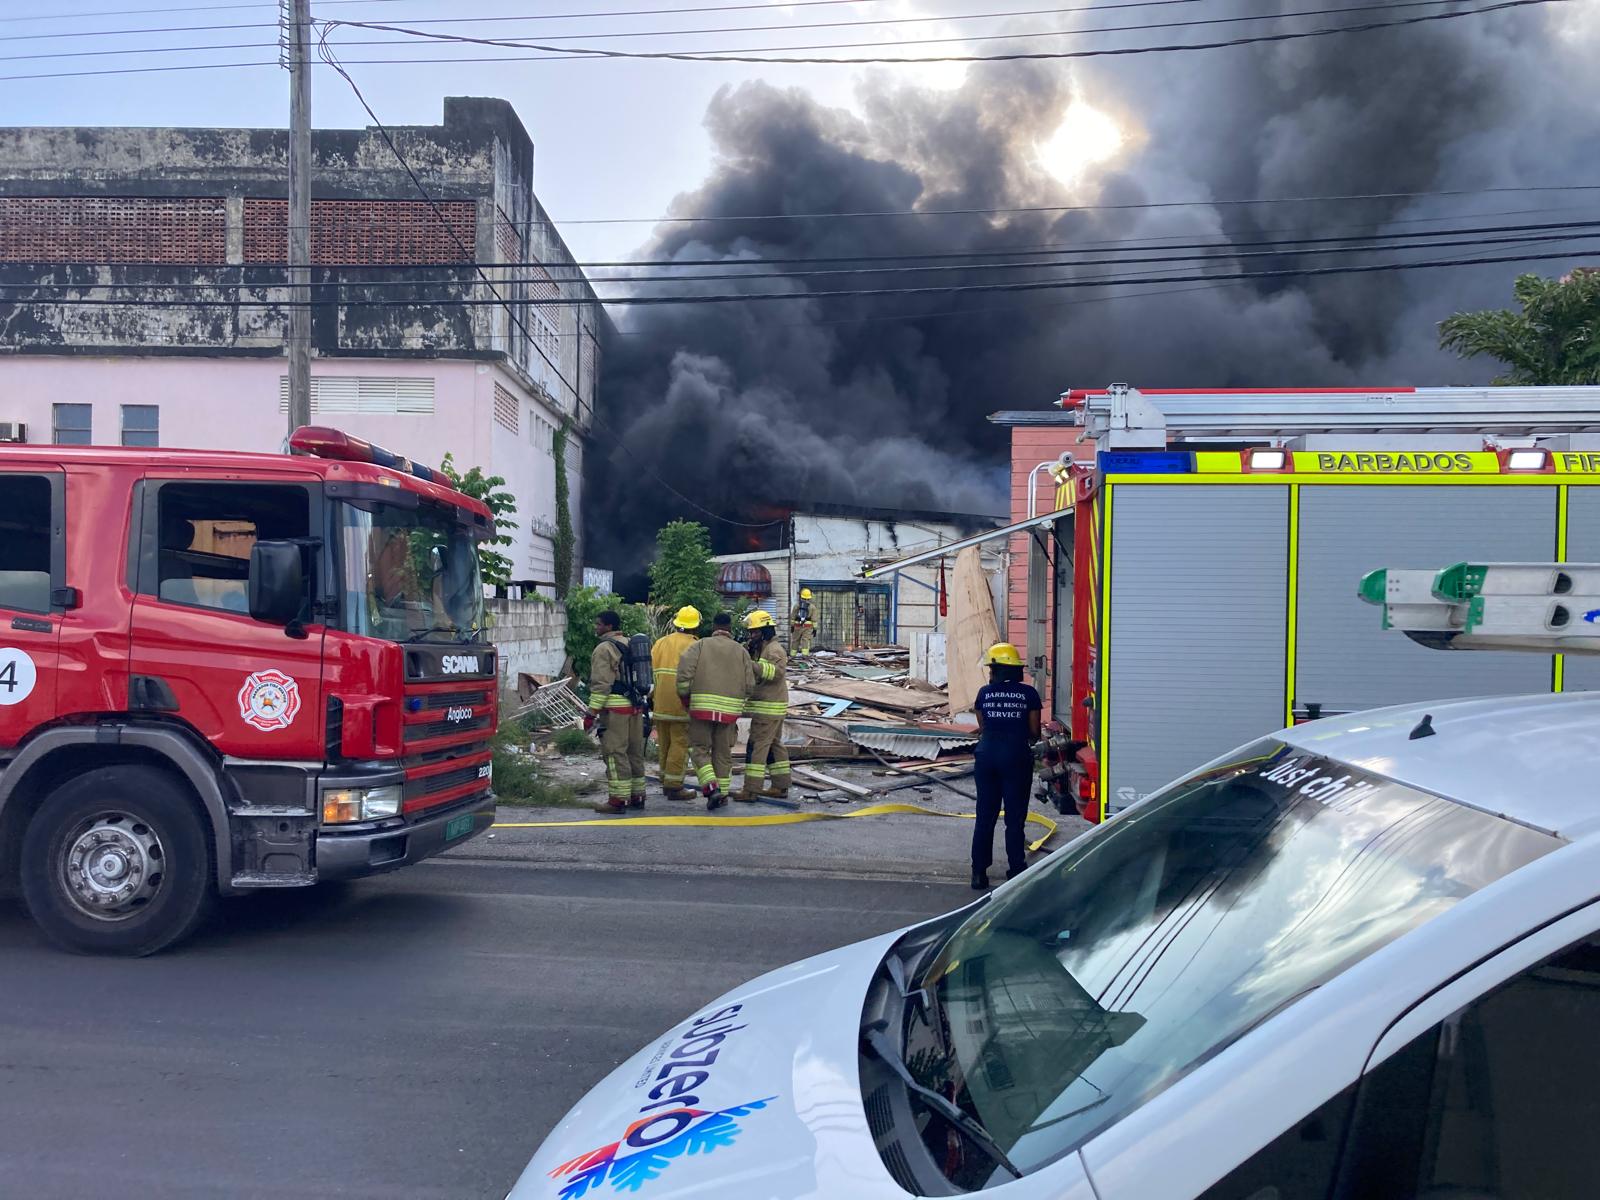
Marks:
<point>863,704</point>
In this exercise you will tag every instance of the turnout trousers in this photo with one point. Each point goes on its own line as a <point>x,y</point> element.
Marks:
<point>622,745</point>
<point>1004,778</point>
<point>769,760</point>
<point>711,752</point>
<point>672,735</point>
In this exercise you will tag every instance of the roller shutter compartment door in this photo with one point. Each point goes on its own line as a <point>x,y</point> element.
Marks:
<point>1582,671</point>
<point>1198,627</point>
<point>1344,659</point>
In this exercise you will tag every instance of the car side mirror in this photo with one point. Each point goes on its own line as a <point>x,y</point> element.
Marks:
<point>277,582</point>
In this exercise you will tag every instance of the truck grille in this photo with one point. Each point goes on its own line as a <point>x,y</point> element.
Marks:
<point>473,699</point>
<point>439,729</point>
<point>432,785</point>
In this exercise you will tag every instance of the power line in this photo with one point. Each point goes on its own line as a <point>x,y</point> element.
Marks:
<point>1520,234</point>
<point>656,33</point>
<point>139,12</point>
<point>559,53</point>
<point>562,52</point>
<point>851,293</point>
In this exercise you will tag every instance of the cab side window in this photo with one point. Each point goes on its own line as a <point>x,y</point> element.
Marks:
<point>25,543</point>
<point>206,532</point>
<point>1499,1102</point>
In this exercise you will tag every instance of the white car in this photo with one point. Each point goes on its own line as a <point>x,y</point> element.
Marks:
<point>1356,959</point>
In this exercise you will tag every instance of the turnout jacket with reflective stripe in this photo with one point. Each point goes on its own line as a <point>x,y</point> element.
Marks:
<point>605,670</point>
<point>664,657</point>
<point>716,676</point>
<point>771,695</point>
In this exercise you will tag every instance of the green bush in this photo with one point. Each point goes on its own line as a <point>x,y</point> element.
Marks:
<point>584,604</point>
<point>683,571</point>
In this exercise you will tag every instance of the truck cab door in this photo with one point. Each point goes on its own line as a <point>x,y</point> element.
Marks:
<point>252,690</point>
<point>32,597</point>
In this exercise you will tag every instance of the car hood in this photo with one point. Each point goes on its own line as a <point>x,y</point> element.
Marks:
<point>755,1097</point>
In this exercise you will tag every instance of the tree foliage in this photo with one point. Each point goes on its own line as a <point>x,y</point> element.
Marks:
<point>565,539</point>
<point>1555,339</point>
<point>683,571</point>
<point>584,604</point>
<point>496,567</point>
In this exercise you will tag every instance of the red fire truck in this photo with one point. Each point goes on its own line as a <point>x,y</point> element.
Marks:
<point>226,671</point>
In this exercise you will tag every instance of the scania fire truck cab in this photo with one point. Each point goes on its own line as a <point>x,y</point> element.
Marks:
<point>227,671</point>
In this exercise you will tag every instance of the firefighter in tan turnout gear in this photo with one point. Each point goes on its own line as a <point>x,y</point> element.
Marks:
<point>615,705</point>
<point>667,711</point>
<point>716,677</point>
<point>768,705</point>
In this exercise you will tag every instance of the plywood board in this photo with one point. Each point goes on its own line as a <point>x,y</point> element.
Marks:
<point>878,695</point>
<point>972,629</point>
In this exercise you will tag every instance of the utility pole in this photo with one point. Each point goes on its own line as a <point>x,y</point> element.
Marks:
<point>295,18</point>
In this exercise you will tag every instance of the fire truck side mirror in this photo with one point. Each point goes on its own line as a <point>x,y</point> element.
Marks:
<point>277,582</point>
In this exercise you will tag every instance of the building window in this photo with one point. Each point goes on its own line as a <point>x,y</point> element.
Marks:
<point>364,394</point>
<point>540,432</point>
<point>505,408</point>
<point>141,425</point>
<point>71,424</point>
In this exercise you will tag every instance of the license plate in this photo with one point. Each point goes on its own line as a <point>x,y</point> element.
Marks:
<point>458,827</point>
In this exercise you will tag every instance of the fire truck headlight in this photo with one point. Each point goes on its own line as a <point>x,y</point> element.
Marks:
<point>345,805</point>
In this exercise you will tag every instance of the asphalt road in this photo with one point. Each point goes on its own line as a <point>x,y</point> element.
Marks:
<point>411,1036</point>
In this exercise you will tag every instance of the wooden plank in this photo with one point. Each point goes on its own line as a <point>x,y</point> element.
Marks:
<point>878,695</point>
<point>854,789</point>
<point>971,630</point>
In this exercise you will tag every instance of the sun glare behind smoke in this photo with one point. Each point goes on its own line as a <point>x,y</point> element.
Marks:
<point>1086,136</point>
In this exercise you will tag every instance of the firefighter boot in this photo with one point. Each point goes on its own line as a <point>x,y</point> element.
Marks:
<point>679,794</point>
<point>611,807</point>
<point>777,788</point>
<point>636,800</point>
<point>751,792</point>
<point>715,797</point>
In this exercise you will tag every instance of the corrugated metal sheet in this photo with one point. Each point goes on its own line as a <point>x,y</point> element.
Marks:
<point>1345,659</point>
<point>906,742</point>
<point>1583,545</point>
<point>1199,627</point>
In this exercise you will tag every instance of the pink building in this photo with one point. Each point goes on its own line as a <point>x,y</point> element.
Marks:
<point>155,312</point>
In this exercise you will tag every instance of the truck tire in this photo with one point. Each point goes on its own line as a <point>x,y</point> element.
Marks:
<point>117,861</point>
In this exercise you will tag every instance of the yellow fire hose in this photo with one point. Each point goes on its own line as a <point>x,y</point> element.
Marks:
<point>786,818</point>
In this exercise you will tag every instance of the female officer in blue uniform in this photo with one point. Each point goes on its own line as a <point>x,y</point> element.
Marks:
<point>1008,725</point>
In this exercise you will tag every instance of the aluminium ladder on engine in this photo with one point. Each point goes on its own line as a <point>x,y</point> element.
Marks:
<point>1124,417</point>
<point>1542,607</point>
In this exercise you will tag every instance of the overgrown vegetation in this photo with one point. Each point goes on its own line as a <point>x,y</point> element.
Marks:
<point>496,567</point>
<point>584,604</point>
<point>573,740</point>
<point>519,778</point>
<point>683,571</point>
<point>566,540</point>
<point>1555,339</point>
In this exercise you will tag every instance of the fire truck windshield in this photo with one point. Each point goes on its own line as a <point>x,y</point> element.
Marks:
<point>409,574</point>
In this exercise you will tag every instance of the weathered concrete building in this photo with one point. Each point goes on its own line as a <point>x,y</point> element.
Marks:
<point>142,298</point>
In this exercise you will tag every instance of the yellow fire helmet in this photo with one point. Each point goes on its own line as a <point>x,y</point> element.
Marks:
<point>805,593</point>
<point>758,619</point>
<point>687,618</point>
<point>1002,654</point>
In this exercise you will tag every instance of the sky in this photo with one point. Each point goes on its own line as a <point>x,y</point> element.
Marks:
<point>612,139</point>
<point>722,411</point>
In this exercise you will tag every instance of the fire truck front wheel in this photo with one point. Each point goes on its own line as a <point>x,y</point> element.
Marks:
<point>117,861</point>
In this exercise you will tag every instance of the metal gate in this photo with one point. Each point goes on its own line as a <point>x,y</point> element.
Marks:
<point>850,615</point>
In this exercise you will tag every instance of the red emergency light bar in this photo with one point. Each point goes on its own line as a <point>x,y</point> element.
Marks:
<point>319,441</point>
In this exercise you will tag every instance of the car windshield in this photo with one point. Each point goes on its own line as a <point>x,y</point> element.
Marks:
<point>1138,952</point>
<point>410,574</point>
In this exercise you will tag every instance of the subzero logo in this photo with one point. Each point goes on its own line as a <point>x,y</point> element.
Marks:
<point>649,1147</point>
<point>460,664</point>
<point>672,1123</point>
<point>269,700</point>
<point>460,713</point>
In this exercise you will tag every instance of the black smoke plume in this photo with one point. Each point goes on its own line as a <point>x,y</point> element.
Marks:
<point>881,401</point>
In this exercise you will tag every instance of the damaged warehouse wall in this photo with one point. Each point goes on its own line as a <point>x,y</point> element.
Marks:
<point>170,245</point>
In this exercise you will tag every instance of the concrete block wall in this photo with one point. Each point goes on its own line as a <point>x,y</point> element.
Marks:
<point>531,637</point>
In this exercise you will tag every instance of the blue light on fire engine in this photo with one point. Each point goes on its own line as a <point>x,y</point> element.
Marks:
<point>1145,462</point>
